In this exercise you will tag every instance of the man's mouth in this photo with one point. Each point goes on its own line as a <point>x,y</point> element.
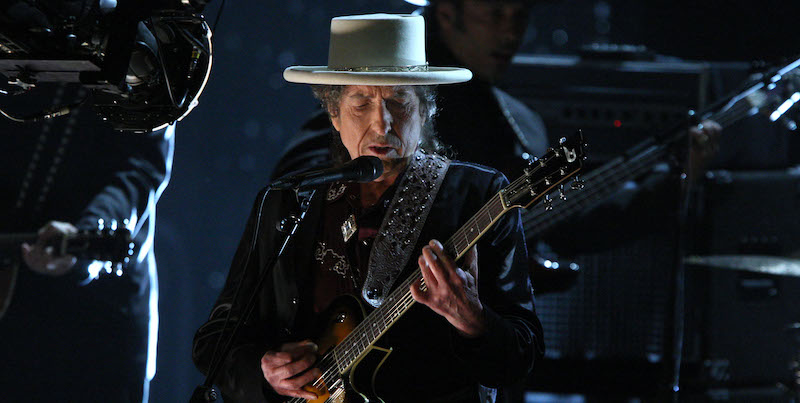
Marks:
<point>380,150</point>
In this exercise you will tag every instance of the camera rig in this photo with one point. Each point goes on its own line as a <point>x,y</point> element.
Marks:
<point>146,62</point>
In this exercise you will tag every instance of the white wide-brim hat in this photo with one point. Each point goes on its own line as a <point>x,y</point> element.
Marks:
<point>377,49</point>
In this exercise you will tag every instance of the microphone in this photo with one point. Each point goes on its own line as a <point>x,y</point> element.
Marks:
<point>362,169</point>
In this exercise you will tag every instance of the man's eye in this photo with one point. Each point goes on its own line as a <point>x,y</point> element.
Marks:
<point>396,104</point>
<point>361,106</point>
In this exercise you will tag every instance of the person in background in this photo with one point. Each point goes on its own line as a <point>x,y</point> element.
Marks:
<point>77,330</point>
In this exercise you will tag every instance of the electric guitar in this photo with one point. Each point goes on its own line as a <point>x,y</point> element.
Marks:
<point>350,356</point>
<point>113,246</point>
<point>772,94</point>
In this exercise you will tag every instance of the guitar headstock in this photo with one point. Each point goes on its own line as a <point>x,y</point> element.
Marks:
<point>547,173</point>
<point>106,243</point>
<point>776,95</point>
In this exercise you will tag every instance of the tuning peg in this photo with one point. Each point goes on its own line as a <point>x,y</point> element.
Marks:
<point>101,223</point>
<point>577,183</point>
<point>113,225</point>
<point>562,140</point>
<point>548,203</point>
<point>562,193</point>
<point>547,181</point>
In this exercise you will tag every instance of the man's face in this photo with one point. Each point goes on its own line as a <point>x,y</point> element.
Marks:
<point>484,34</point>
<point>381,121</point>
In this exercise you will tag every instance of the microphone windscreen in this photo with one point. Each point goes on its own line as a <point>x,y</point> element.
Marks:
<point>369,167</point>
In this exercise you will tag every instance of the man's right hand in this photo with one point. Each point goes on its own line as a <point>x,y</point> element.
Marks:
<point>281,368</point>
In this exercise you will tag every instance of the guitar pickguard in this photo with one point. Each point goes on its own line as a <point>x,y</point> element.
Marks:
<point>365,370</point>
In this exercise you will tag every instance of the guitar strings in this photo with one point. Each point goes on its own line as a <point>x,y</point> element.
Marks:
<point>544,219</point>
<point>399,301</point>
<point>396,306</point>
<point>601,181</point>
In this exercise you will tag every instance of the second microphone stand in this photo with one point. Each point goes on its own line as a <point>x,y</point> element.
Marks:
<point>289,226</point>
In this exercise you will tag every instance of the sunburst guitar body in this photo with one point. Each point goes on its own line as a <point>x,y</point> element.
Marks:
<point>338,321</point>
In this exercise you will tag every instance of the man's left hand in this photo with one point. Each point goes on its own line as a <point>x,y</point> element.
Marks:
<point>451,291</point>
<point>704,144</point>
<point>42,258</point>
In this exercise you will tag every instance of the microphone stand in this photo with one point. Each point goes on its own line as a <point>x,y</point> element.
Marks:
<point>289,225</point>
<point>682,242</point>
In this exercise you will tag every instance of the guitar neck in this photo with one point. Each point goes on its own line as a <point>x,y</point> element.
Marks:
<point>605,180</point>
<point>400,300</point>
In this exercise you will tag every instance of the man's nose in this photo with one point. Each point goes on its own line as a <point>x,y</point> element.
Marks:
<point>382,119</point>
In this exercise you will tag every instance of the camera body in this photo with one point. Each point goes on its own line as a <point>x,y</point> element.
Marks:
<point>146,62</point>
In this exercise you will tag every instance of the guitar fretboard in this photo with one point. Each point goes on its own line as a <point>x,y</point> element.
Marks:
<point>605,180</point>
<point>400,300</point>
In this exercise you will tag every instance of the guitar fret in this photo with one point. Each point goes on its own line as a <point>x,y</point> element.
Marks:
<point>473,232</point>
<point>488,217</point>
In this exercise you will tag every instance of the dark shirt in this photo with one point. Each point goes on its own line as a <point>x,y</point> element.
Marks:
<point>341,265</point>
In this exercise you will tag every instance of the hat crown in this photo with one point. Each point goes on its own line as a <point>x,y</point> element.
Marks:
<point>376,40</point>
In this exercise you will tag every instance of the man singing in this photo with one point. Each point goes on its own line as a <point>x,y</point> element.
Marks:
<point>474,327</point>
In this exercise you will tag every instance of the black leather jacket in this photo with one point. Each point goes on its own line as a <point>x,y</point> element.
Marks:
<point>430,359</point>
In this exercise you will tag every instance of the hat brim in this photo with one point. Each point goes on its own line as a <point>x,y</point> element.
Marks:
<point>323,75</point>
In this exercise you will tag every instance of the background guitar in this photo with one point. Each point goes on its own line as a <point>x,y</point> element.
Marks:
<point>113,246</point>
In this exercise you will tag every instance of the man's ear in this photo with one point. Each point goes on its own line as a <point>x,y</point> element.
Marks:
<point>336,122</point>
<point>446,15</point>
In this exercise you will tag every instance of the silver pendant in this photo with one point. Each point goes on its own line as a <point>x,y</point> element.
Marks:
<point>349,227</point>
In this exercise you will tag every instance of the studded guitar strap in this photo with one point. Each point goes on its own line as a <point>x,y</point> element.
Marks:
<point>402,224</point>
